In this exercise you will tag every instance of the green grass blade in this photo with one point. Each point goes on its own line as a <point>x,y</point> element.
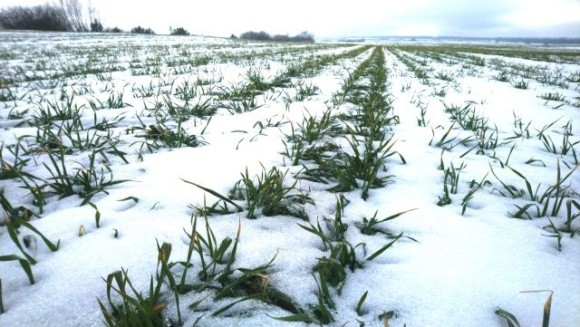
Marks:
<point>23,262</point>
<point>395,215</point>
<point>14,236</point>
<point>360,303</point>
<point>511,320</point>
<point>295,318</point>
<point>1,301</point>
<point>547,310</point>
<point>97,214</point>
<point>216,194</point>
<point>48,243</point>
<point>384,248</point>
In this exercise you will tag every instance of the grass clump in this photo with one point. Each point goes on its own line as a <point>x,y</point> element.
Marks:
<point>268,194</point>
<point>135,309</point>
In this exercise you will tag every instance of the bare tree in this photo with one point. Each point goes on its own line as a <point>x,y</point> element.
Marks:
<point>94,19</point>
<point>75,13</point>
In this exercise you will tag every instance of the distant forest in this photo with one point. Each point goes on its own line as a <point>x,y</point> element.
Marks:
<point>64,16</point>
<point>60,16</point>
<point>263,36</point>
<point>72,16</point>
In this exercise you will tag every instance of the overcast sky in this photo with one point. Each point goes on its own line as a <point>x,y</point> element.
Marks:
<point>493,18</point>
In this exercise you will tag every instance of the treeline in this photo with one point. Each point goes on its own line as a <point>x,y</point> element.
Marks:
<point>263,36</point>
<point>61,16</point>
<point>65,15</point>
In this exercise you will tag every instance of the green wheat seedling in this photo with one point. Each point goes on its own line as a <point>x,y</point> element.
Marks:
<point>473,188</point>
<point>421,121</point>
<point>7,94</point>
<point>16,218</point>
<point>304,91</point>
<point>256,83</point>
<point>217,273</point>
<point>313,129</point>
<point>76,137</point>
<point>13,223</point>
<point>355,169</point>
<point>573,77</point>
<point>232,92</point>
<point>216,257</point>
<point>347,88</point>
<point>367,165</point>
<point>186,91</point>
<point>541,133</point>
<point>336,227</point>
<point>450,183</point>
<point>115,101</point>
<point>14,170</point>
<point>86,182</point>
<point>48,112</point>
<point>135,309</point>
<point>254,284</point>
<point>370,226</point>
<point>268,195</point>
<point>414,67</point>
<point>294,152</point>
<point>201,82</point>
<point>298,152</point>
<point>28,260</point>
<point>546,203</point>
<point>97,215</point>
<point>466,117</point>
<point>220,207</point>
<point>106,123</point>
<point>341,253</point>
<point>503,76</point>
<point>521,129</point>
<point>182,112</point>
<point>164,272</point>
<point>557,192</point>
<point>445,141</point>
<point>553,96</point>
<point>445,76</point>
<point>575,103</point>
<point>571,216</point>
<point>312,66</point>
<point>488,139</point>
<point>18,114</point>
<point>245,104</point>
<point>270,122</point>
<point>511,319</point>
<point>24,263</point>
<point>160,135</point>
<point>521,84</point>
<point>145,91</point>
<point>29,182</point>
<point>567,146</point>
<point>351,88</point>
<point>554,232</point>
<point>547,78</point>
<point>372,122</point>
<point>321,312</point>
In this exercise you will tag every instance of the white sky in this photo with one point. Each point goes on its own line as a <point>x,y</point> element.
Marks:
<point>554,18</point>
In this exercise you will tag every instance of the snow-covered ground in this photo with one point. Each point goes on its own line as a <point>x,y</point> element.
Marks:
<point>450,268</point>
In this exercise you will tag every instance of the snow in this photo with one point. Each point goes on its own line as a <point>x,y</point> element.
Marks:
<point>460,270</point>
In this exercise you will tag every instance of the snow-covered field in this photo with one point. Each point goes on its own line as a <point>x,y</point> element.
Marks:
<point>115,147</point>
